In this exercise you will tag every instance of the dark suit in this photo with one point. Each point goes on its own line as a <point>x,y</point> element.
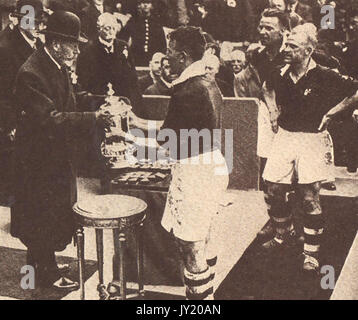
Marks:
<point>159,89</point>
<point>14,50</point>
<point>145,82</point>
<point>96,68</point>
<point>44,161</point>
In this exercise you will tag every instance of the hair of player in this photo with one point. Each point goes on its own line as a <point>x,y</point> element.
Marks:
<point>190,40</point>
<point>282,17</point>
<point>310,31</point>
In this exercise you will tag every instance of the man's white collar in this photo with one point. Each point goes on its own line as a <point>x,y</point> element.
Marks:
<point>31,42</point>
<point>312,65</point>
<point>195,69</point>
<point>53,59</point>
<point>100,8</point>
<point>108,45</point>
<point>166,83</point>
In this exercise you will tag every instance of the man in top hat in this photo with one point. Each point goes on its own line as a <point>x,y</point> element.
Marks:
<point>146,33</point>
<point>16,45</point>
<point>48,128</point>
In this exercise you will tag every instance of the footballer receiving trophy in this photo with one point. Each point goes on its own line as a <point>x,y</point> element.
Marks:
<point>123,167</point>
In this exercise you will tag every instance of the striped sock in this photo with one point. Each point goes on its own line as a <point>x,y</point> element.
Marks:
<point>283,226</point>
<point>279,212</point>
<point>212,266</point>
<point>313,231</point>
<point>199,286</point>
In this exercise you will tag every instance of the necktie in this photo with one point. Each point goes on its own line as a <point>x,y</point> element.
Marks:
<point>108,49</point>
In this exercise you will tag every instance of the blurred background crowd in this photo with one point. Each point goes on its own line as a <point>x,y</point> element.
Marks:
<point>232,21</point>
<point>230,25</point>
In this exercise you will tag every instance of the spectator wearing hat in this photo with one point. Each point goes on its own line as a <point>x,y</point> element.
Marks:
<point>16,45</point>
<point>146,33</point>
<point>48,129</point>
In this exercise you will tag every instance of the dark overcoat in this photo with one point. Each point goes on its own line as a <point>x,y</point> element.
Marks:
<point>89,16</point>
<point>14,51</point>
<point>44,160</point>
<point>96,68</point>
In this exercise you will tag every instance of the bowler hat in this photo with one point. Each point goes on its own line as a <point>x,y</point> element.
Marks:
<point>36,4</point>
<point>64,25</point>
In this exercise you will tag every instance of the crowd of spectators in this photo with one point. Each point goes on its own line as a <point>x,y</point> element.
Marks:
<point>231,31</point>
<point>230,24</point>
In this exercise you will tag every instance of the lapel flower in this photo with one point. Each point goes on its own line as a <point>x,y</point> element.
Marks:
<point>125,52</point>
<point>307,92</point>
<point>231,3</point>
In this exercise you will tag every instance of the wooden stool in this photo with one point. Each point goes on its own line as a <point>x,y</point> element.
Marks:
<point>120,213</point>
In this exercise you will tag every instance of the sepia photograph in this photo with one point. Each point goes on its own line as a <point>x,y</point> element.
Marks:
<point>172,151</point>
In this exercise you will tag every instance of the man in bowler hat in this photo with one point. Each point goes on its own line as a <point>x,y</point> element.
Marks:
<point>48,128</point>
<point>16,45</point>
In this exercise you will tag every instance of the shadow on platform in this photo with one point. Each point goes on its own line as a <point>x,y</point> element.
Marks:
<point>277,276</point>
<point>11,262</point>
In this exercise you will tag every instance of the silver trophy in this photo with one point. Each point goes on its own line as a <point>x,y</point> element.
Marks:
<point>115,148</point>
